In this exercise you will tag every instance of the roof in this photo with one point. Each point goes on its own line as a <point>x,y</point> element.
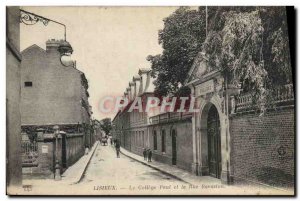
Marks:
<point>34,46</point>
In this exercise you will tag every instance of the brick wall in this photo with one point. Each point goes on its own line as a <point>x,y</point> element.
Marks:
<point>262,148</point>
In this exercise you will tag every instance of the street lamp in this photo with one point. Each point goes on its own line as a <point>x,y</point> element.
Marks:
<point>57,175</point>
<point>65,49</point>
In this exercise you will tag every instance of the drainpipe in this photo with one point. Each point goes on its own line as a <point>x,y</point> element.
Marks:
<point>57,175</point>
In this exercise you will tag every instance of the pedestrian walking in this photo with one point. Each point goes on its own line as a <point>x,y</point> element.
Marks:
<point>117,144</point>
<point>111,141</point>
<point>149,155</point>
<point>145,154</point>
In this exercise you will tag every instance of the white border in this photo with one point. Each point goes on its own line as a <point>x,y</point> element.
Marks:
<point>105,3</point>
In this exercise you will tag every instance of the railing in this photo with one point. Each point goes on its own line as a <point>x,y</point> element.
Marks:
<point>30,154</point>
<point>279,95</point>
<point>169,116</point>
<point>285,93</point>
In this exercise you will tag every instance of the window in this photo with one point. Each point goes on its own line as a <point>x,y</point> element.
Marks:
<point>154,140</point>
<point>163,141</point>
<point>28,84</point>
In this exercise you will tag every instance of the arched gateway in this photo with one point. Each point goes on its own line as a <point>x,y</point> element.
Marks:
<point>214,142</point>
<point>208,140</point>
<point>211,134</point>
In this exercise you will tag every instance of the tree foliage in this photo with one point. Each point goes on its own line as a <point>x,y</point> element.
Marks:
<point>253,49</point>
<point>181,40</point>
<point>249,44</point>
<point>105,125</point>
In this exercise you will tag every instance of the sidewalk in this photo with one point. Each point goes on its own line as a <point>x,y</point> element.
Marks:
<point>75,173</point>
<point>72,175</point>
<point>206,181</point>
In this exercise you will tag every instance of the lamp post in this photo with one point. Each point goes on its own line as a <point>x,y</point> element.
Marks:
<point>57,175</point>
<point>65,49</point>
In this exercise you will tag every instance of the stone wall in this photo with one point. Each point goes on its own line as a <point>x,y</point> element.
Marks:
<point>136,139</point>
<point>184,142</point>
<point>70,148</point>
<point>74,148</point>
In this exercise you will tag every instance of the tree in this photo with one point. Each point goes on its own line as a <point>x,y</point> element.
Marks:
<point>181,40</point>
<point>251,47</point>
<point>249,44</point>
<point>105,125</point>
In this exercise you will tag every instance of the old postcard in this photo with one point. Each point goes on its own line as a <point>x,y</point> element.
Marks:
<point>150,100</point>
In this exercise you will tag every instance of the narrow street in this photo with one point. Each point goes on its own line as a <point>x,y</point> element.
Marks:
<point>108,175</point>
<point>106,169</point>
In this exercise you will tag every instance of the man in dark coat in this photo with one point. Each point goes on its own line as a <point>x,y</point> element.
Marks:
<point>117,144</point>
<point>145,154</point>
<point>149,155</point>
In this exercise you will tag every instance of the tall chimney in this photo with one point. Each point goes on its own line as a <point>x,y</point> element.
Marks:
<point>128,89</point>
<point>137,80</point>
<point>143,73</point>
<point>149,84</point>
<point>131,85</point>
<point>147,80</point>
<point>52,45</point>
<point>126,95</point>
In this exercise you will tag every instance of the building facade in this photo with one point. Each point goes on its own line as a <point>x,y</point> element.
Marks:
<point>52,94</point>
<point>227,138</point>
<point>171,139</point>
<point>131,128</point>
<point>232,139</point>
<point>13,91</point>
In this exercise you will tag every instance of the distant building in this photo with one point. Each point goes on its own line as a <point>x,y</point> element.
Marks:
<point>167,134</point>
<point>131,127</point>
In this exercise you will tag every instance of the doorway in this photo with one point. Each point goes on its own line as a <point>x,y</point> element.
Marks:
<point>214,142</point>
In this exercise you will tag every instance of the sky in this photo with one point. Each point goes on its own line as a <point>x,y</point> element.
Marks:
<point>110,43</point>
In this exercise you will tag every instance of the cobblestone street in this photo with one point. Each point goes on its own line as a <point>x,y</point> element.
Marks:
<point>106,169</point>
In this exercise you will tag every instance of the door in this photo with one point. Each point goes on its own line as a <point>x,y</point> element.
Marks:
<point>174,148</point>
<point>214,142</point>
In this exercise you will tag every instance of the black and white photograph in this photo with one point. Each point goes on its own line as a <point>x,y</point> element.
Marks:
<point>150,100</point>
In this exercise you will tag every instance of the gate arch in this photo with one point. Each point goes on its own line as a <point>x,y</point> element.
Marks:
<point>205,138</point>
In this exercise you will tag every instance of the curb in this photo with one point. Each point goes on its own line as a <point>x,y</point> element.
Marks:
<point>176,177</point>
<point>156,168</point>
<point>86,165</point>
